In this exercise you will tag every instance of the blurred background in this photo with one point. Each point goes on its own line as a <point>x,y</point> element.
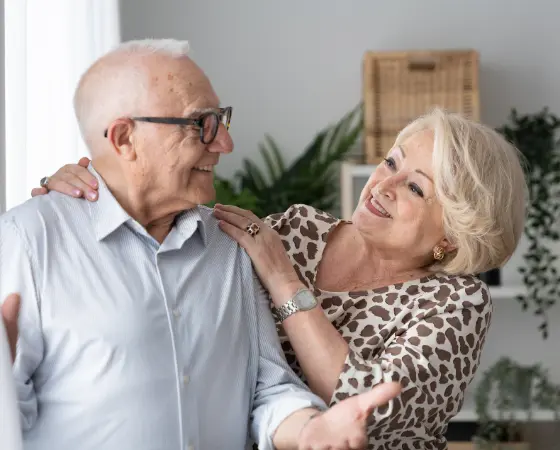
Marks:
<point>308,84</point>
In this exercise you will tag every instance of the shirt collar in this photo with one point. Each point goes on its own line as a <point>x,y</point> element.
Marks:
<point>190,221</point>
<point>108,215</point>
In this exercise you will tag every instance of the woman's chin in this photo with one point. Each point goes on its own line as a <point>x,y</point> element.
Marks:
<point>363,218</point>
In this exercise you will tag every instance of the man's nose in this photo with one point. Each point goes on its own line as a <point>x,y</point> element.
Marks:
<point>222,143</point>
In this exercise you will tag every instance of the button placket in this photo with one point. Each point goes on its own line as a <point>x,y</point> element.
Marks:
<point>173,313</point>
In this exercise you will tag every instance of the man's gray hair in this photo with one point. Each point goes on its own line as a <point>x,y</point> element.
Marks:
<point>100,94</point>
<point>169,47</point>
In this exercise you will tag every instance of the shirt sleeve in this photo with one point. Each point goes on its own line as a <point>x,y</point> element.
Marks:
<point>279,392</point>
<point>434,359</point>
<point>17,275</point>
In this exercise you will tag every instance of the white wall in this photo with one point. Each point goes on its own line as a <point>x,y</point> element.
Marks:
<point>291,67</point>
<point>2,112</point>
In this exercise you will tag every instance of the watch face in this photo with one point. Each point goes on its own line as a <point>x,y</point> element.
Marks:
<point>305,300</point>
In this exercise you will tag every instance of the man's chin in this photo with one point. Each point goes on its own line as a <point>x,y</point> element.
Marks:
<point>203,197</point>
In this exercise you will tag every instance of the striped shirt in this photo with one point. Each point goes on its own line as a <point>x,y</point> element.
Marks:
<point>129,344</point>
<point>10,436</point>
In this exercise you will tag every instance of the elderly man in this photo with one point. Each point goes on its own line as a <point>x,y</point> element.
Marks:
<point>142,325</point>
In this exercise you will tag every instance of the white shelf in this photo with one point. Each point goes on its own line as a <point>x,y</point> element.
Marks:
<point>361,170</point>
<point>348,171</point>
<point>506,292</point>
<point>469,415</point>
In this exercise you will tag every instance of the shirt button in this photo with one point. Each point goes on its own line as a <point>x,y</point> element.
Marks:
<point>190,447</point>
<point>176,312</point>
<point>186,380</point>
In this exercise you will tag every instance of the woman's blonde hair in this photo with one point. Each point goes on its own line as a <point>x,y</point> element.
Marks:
<point>480,183</point>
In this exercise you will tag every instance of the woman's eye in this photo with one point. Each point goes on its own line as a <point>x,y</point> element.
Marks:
<point>414,188</point>
<point>390,162</point>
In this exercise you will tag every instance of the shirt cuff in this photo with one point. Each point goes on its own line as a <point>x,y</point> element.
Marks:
<point>268,417</point>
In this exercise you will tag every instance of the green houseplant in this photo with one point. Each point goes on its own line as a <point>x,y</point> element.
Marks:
<point>536,136</point>
<point>310,179</point>
<point>507,391</point>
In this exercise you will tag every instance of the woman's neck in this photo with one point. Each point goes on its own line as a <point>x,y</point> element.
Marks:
<point>351,263</point>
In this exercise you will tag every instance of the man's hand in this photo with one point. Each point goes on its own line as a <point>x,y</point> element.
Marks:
<point>344,426</point>
<point>10,313</point>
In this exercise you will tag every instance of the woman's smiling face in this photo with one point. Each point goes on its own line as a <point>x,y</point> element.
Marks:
<point>398,209</point>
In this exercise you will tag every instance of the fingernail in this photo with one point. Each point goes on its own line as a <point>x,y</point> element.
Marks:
<point>77,193</point>
<point>93,184</point>
<point>91,195</point>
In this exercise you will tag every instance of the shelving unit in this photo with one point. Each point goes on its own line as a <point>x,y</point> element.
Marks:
<point>468,414</point>
<point>506,292</point>
<point>348,172</point>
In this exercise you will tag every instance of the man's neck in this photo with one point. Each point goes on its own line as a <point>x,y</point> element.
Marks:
<point>155,211</point>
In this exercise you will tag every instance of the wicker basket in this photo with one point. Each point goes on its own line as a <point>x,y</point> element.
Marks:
<point>399,87</point>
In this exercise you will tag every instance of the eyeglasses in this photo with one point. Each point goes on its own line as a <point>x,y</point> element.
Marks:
<point>208,122</point>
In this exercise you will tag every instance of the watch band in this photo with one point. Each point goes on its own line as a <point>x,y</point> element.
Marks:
<point>294,305</point>
<point>283,312</point>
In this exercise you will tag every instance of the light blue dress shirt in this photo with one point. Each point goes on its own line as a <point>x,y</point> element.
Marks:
<point>10,434</point>
<point>129,344</point>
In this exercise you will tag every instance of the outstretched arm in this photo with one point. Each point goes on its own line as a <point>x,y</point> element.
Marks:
<point>286,415</point>
<point>18,274</point>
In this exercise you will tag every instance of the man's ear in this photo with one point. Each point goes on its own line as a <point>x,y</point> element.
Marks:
<point>120,134</point>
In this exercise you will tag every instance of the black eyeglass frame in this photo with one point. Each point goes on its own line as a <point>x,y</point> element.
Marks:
<point>199,122</point>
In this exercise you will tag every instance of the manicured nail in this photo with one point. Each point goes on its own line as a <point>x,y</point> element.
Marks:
<point>77,193</point>
<point>93,183</point>
<point>91,195</point>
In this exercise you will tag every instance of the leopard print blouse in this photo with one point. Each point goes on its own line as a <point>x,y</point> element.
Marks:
<point>427,334</point>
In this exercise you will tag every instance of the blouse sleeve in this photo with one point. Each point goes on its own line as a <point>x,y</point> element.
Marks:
<point>284,223</point>
<point>278,221</point>
<point>434,357</point>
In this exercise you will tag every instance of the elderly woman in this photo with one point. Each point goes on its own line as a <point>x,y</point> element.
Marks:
<point>391,294</point>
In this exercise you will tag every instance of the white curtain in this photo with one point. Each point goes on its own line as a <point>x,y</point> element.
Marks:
<point>49,44</point>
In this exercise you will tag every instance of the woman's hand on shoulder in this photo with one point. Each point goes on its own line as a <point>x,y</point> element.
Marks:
<point>265,248</point>
<point>73,180</point>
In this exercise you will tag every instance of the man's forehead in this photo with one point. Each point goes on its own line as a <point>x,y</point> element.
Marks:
<point>189,101</point>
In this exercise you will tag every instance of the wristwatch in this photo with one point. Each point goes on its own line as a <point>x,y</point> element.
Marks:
<point>303,300</point>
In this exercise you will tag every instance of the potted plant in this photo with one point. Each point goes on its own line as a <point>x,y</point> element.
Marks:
<point>310,179</point>
<point>536,136</point>
<point>507,397</point>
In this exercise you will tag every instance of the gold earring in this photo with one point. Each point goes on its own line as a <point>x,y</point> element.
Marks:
<point>439,253</point>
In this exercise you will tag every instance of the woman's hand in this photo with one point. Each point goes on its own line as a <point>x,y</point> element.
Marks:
<point>272,264</point>
<point>73,180</point>
<point>344,425</point>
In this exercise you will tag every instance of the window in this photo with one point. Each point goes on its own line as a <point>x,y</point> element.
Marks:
<point>48,45</point>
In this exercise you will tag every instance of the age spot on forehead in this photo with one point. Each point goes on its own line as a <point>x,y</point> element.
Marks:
<point>170,76</point>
